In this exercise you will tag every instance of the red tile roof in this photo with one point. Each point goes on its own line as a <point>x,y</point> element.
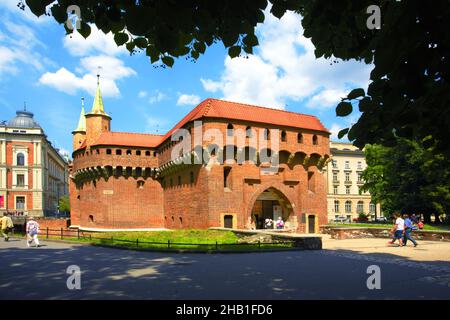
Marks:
<point>214,108</point>
<point>129,139</point>
<point>220,109</point>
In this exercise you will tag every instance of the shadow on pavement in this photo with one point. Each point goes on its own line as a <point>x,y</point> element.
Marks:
<point>40,273</point>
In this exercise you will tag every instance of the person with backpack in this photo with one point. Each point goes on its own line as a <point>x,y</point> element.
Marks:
<point>398,229</point>
<point>32,230</point>
<point>409,227</point>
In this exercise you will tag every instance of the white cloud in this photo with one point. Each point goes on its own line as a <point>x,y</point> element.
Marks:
<point>142,94</point>
<point>19,45</point>
<point>326,98</point>
<point>335,128</point>
<point>285,68</point>
<point>64,152</point>
<point>346,122</point>
<point>157,97</point>
<point>66,81</point>
<point>97,42</point>
<point>210,85</point>
<point>7,58</point>
<point>98,54</point>
<point>23,36</point>
<point>188,99</point>
<point>26,14</point>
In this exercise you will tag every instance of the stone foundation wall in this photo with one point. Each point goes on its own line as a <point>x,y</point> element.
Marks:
<point>300,241</point>
<point>341,233</point>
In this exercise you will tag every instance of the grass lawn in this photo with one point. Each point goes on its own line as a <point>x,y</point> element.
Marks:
<point>177,239</point>
<point>434,227</point>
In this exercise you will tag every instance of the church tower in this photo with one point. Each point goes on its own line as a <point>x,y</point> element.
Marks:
<point>97,121</point>
<point>79,134</point>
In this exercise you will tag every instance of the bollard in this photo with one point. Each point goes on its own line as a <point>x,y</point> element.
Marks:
<point>168,244</point>
<point>61,233</point>
<point>137,242</point>
<point>47,232</point>
<point>78,234</point>
<point>217,246</point>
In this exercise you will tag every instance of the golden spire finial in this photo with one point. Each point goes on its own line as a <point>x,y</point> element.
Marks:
<point>97,107</point>
<point>82,120</point>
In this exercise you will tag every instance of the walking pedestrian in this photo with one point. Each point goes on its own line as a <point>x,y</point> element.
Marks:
<point>414,218</point>
<point>398,229</point>
<point>32,232</point>
<point>408,229</point>
<point>6,226</point>
<point>269,223</point>
<point>280,223</point>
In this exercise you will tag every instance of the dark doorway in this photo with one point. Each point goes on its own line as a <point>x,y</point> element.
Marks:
<point>311,224</point>
<point>228,221</point>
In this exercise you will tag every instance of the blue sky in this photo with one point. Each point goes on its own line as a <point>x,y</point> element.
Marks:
<point>51,72</point>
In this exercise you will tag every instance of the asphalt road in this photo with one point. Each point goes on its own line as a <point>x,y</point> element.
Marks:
<point>40,273</point>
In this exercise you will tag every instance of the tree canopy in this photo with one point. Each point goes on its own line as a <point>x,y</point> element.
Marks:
<point>64,204</point>
<point>408,178</point>
<point>409,92</point>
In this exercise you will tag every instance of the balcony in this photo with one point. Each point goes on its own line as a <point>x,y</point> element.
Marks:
<point>348,182</point>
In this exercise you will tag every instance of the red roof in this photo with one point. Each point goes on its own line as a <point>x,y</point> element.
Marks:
<point>129,139</point>
<point>214,108</point>
<point>220,109</point>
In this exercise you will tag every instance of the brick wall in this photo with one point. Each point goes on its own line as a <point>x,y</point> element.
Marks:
<point>164,202</point>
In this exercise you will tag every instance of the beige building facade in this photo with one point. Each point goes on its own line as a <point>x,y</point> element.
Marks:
<point>343,174</point>
<point>33,175</point>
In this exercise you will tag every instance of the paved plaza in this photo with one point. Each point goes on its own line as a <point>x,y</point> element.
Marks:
<point>337,272</point>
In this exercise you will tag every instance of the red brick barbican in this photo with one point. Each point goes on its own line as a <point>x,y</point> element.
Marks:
<point>131,181</point>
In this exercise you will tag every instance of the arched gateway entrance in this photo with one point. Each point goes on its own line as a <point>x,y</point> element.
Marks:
<point>272,204</point>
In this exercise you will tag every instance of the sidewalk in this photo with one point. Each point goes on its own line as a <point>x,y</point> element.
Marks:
<point>425,251</point>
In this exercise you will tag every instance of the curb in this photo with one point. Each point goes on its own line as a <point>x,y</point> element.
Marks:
<point>195,251</point>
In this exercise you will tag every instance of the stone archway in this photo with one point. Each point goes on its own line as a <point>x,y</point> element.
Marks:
<point>271,203</point>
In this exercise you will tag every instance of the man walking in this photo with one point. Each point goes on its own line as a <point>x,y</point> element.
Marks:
<point>398,229</point>
<point>32,232</point>
<point>6,225</point>
<point>408,229</point>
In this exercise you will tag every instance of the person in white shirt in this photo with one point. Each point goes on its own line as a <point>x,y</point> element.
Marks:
<point>399,228</point>
<point>32,232</point>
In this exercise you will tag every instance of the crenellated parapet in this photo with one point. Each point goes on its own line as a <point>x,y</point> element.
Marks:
<point>106,172</point>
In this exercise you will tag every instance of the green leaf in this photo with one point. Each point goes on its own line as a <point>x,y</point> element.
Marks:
<point>58,13</point>
<point>251,40</point>
<point>248,50</point>
<point>130,46</point>
<point>152,52</point>
<point>365,104</point>
<point>277,10</point>
<point>234,51</point>
<point>344,109</point>
<point>200,47</point>
<point>140,42</point>
<point>168,61</point>
<point>195,54</point>
<point>356,93</point>
<point>121,38</point>
<point>85,30</point>
<point>260,16</point>
<point>342,133</point>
